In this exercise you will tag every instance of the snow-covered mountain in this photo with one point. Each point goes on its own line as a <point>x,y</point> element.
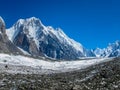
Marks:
<point>113,50</point>
<point>37,39</point>
<point>32,36</point>
<point>99,52</point>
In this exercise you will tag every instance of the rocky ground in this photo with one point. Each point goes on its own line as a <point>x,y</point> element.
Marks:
<point>104,76</point>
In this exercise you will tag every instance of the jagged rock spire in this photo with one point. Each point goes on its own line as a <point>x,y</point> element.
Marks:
<point>2,25</point>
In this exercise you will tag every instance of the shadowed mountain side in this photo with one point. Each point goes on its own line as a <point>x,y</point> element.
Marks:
<point>6,46</point>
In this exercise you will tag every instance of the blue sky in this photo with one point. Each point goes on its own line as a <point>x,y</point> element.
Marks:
<point>93,23</point>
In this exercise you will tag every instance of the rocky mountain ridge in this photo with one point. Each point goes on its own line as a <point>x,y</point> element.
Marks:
<point>112,50</point>
<point>37,39</point>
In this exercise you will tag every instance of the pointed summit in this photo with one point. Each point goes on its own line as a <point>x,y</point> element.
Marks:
<point>34,21</point>
<point>2,25</point>
<point>33,18</point>
<point>35,38</point>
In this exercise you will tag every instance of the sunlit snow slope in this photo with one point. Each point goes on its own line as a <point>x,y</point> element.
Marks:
<point>51,65</point>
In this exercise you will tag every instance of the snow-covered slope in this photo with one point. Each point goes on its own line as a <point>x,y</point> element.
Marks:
<point>32,36</point>
<point>113,50</point>
<point>99,52</point>
<point>49,65</point>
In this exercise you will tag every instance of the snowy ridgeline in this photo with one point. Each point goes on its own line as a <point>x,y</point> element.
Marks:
<point>32,36</point>
<point>61,66</point>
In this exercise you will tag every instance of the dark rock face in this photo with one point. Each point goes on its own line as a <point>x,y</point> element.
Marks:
<point>3,36</point>
<point>27,44</point>
<point>6,46</point>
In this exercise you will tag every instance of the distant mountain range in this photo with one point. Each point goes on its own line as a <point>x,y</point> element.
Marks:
<point>31,36</point>
<point>113,50</point>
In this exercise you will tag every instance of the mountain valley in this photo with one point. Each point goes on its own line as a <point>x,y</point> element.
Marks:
<point>38,57</point>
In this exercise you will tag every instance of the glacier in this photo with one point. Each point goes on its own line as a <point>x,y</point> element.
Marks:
<point>41,64</point>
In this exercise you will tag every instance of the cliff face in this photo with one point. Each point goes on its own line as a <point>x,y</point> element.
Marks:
<point>6,46</point>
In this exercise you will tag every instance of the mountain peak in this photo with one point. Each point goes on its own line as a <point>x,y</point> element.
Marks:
<point>33,18</point>
<point>32,21</point>
<point>21,21</point>
<point>112,50</point>
<point>35,38</point>
<point>32,36</point>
